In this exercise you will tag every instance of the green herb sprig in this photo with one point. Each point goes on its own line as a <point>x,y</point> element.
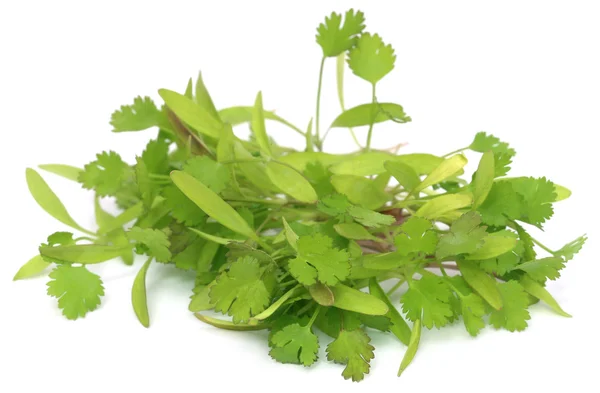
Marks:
<point>299,240</point>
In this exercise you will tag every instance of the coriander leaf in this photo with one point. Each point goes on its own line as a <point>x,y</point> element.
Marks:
<point>332,321</point>
<point>569,250</point>
<point>335,38</point>
<point>466,235</point>
<point>335,205</point>
<point>370,218</point>
<point>484,142</point>
<point>371,59</point>
<point>60,238</point>
<point>319,175</point>
<point>427,299</point>
<point>504,263</point>
<point>317,259</point>
<point>537,197</point>
<point>212,174</point>
<point>182,208</point>
<point>513,315</point>
<point>501,205</point>
<point>141,115</point>
<point>77,289</point>
<point>541,269</point>
<point>352,348</point>
<point>155,241</point>
<point>294,344</point>
<point>155,156</point>
<point>240,292</point>
<point>145,186</point>
<point>416,237</point>
<point>473,309</point>
<point>104,175</point>
<point>502,163</point>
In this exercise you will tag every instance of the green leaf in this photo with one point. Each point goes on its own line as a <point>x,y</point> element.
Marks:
<point>212,204</point>
<point>295,344</point>
<point>138,295</point>
<point>318,259</point>
<point>142,115</point>
<point>439,206</point>
<point>192,114</point>
<point>473,309</point>
<point>562,193</point>
<point>427,300</point>
<point>417,237</point>
<point>354,231</point>
<point>155,241</point>
<point>34,266</point>
<point>258,125</point>
<point>537,290</point>
<point>296,291</point>
<point>212,238</point>
<point>569,250</point>
<point>465,237</point>
<point>291,182</point>
<point>371,113</point>
<point>370,218</point>
<point>66,171</point>
<point>240,292</point>
<point>371,59</point>
<point>82,253</point>
<point>493,246</point>
<point>105,175</point>
<point>542,269</point>
<point>359,190</point>
<point>77,289</point>
<point>406,176</point>
<point>203,98</point>
<point>352,348</point>
<point>446,169</point>
<point>484,142</point>
<point>127,216</point>
<point>413,346</point>
<point>321,294</point>
<point>47,199</point>
<point>513,315</point>
<point>255,172</point>
<point>335,37</point>
<point>386,261</point>
<point>373,163</point>
<point>482,283</point>
<point>236,115</point>
<point>399,326</point>
<point>290,235</point>
<point>350,299</point>
<point>484,179</point>
<point>212,174</point>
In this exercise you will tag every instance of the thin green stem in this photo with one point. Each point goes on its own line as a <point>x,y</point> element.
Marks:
<point>455,152</point>
<point>370,133</point>
<point>547,249</point>
<point>318,112</point>
<point>314,317</point>
<point>395,287</point>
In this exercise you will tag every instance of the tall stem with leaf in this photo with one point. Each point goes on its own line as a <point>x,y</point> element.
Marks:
<point>374,114</point>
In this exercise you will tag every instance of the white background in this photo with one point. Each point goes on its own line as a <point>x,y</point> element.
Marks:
<point>525,71</point>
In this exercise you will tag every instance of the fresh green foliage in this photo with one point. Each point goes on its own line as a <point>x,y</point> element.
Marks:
<point>289,239</point>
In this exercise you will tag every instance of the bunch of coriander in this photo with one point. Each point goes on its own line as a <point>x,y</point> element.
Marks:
<point>295,240</point>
